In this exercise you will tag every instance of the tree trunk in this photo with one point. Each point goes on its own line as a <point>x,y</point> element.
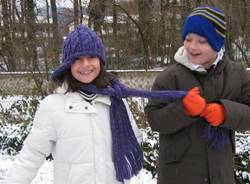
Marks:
<point>76,12</point>
<point>114,25</point>
<point>162,37</point>
<point>7,42</point>
<point>80,12</point>
<point>174,33</point>
<point>56,42</point>
<point>146,24</point>
<point>96,11</point>
<point>31,35</point>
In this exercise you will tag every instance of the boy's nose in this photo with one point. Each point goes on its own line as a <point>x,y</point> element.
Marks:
<point>193,45</point>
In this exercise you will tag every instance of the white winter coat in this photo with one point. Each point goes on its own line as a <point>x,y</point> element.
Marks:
<point>78,135</point>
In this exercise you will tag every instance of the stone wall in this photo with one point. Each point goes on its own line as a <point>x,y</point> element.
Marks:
<point>24,84</point>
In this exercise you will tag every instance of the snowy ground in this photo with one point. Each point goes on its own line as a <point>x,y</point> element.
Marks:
<point>45,174</point>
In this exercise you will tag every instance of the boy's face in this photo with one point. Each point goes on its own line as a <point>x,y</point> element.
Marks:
<point>199,51</point>
<point>86,68</point>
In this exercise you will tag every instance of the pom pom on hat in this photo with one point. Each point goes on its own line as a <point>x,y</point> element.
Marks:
<point>207,22</point>
<point>80,42</point>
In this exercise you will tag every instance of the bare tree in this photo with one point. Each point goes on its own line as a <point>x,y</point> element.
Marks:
<point>76,12</point>
<point>142,36</point>
<point>115,27</point>
<point>96,12</point>
<point>174,33</point>
<point>31,42</point>
<point>7,37</point>
<point>146,22</point>
<point>56,42</point>
<point>142,30</point>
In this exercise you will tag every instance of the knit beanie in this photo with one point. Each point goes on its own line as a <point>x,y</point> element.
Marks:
<point>207,22</point>
<point>80,42</point>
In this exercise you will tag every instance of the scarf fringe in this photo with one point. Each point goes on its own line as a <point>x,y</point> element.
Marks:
<point>128,156</point>
<point>217,136</point>
<point>129,165</point>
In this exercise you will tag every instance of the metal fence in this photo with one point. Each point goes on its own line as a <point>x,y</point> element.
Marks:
<point>35,83</point>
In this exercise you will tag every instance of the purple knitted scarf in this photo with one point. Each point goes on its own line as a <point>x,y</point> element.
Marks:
<point>127,154</point>
<point>217,136</point>
<point>128,157</point>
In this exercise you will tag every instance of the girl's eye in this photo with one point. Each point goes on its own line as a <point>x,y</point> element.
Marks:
<point>203,41</point>
<point>92,57</point>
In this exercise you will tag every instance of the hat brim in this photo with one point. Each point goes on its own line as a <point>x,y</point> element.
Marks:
<point>60,70</point>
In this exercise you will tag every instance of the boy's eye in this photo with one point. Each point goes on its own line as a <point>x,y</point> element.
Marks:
<point>187,39</point>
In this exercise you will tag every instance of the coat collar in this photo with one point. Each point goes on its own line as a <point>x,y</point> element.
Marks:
<point>181,57</point>
<point>76,97</point>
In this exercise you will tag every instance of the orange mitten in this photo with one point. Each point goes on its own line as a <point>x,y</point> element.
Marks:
<point>193,103</point>
<point>214,114</point>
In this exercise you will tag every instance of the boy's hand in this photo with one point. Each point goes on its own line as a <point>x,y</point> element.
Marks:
<point>193,103</point>
<point>214,113</point>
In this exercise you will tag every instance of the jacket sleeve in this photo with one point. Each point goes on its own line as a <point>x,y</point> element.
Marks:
<point>137,132</point>
<point>167,116</point>
<point>38,144</point>
<point>238,111</point>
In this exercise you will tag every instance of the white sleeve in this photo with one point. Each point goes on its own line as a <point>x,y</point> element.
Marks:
<point>38,144</point>
<point>135,128</point>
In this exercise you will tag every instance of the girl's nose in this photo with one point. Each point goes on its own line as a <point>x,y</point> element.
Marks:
<point>84,61</point>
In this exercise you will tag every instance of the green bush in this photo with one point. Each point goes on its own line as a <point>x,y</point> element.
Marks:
<point>242,158</point>
<point>16,114</point>
<point>150,147</point>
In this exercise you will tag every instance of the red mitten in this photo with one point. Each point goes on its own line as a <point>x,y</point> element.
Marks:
<point>193,103</point>
<point>214,114</point>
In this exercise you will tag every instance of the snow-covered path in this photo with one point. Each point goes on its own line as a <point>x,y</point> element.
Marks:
<point>45,174</point>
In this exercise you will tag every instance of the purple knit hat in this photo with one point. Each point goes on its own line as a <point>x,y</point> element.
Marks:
<point>80,42</point>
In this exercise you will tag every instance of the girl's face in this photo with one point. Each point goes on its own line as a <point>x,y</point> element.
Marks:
<point>86,68</point>
<point>199,51</point>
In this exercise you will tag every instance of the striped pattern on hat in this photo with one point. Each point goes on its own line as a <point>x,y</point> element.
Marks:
<point>216,17</point>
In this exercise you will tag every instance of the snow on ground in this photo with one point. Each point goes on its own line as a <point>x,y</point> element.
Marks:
<point>45,174</point>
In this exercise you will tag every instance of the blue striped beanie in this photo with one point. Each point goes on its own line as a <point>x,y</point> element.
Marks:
<point>80,42</point>
<point>207,22</point>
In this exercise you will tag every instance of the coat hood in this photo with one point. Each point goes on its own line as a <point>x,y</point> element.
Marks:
<point>181,57</point>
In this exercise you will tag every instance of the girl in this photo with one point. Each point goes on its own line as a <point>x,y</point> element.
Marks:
<point>74,124</point>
